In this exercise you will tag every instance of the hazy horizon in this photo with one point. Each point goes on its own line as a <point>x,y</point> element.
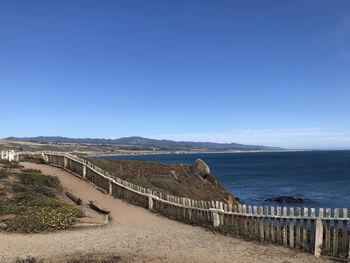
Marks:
<point>272,73</point>
<point>175,138</point>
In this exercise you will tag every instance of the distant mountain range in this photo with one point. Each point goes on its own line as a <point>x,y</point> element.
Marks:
<point>146,143</point>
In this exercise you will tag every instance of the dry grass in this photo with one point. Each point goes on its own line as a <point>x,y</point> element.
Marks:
<point>180,180</point>
<point>4,173</point>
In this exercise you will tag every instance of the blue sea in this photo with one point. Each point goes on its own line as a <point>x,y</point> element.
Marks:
<point>321,178</point>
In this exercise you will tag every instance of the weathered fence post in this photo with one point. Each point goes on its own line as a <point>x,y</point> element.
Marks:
<point>150,203</point>
<point>291,227</point>
<point>345,230</point>
<point>319,234</point>
<point>266,223</point>
<point>261,223</point>
<point>335,231</point>
<point>215,216</point>
<point>44,155</point>
<point>284,228</point>
<point>272,228</point>
<point>221,216</point>
<point>297,232</point>
<point>278,225</point>
<point>65,162</point>
<point>305,230</point>
<point>110,188</point>
<point>245,219</point>
<point>251,222</point>
<point>349,251</point>
<point>312,229</point>
<point>84,171</point>
<point>328,231</point>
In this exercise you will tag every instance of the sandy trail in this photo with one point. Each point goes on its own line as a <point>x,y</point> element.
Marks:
<point>139,236</point>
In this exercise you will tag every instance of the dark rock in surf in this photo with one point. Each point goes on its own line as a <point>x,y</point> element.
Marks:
<point>285,199</point>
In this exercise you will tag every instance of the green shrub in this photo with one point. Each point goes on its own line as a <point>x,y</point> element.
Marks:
<point>12,165</point>
<point>34,159</point>
<point>35,205</point>
<point>3,173</point>
<point>6,207</point>
<point>36,189</point>
<point>18,188</point>
<point>44,190</point>
<point>3,208</point>
<point>7,185</point>
<point>5,161</point>
<point>44,214</point>
<point>34,178</point>
<point>30,170</point>
<point>29,259</point>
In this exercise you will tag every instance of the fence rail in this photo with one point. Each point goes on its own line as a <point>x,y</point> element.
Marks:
<point>322,232</point>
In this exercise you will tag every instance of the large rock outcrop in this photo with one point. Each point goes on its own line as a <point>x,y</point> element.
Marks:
<point>202,168</point>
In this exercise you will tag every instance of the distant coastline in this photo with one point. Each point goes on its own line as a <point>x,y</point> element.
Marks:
<point>192,152</point>
<point>135,143</point>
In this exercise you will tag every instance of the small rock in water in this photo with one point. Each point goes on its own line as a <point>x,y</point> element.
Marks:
<point>3,226</point>
<point>285,199</point>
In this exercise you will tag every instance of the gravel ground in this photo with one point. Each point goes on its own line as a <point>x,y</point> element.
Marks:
<point>136,235</point>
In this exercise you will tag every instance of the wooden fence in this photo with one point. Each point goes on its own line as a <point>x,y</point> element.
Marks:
<point>321,232</point>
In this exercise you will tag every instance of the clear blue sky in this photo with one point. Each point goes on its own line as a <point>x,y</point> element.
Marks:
<point>267,72</point>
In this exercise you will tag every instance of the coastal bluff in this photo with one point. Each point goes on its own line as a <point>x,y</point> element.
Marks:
<point>192,181</point>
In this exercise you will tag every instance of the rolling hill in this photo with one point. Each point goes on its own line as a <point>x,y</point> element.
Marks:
<point>146,143</point>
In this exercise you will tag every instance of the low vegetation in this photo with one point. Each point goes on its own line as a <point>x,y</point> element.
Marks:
<point>180,180</point>
<point>33,206</point>
<point>86,258</point>
<point>34,178</point>
<point>3,173</point>
<point>29,259</point>
<point>33,159</point>
<point>9,165</point>
<point>93,258</point>
<point>4,161</point>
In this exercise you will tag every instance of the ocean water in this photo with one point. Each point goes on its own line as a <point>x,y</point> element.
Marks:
<point>321,178</point>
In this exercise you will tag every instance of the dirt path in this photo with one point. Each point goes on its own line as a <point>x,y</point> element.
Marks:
<point>139,236</point>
